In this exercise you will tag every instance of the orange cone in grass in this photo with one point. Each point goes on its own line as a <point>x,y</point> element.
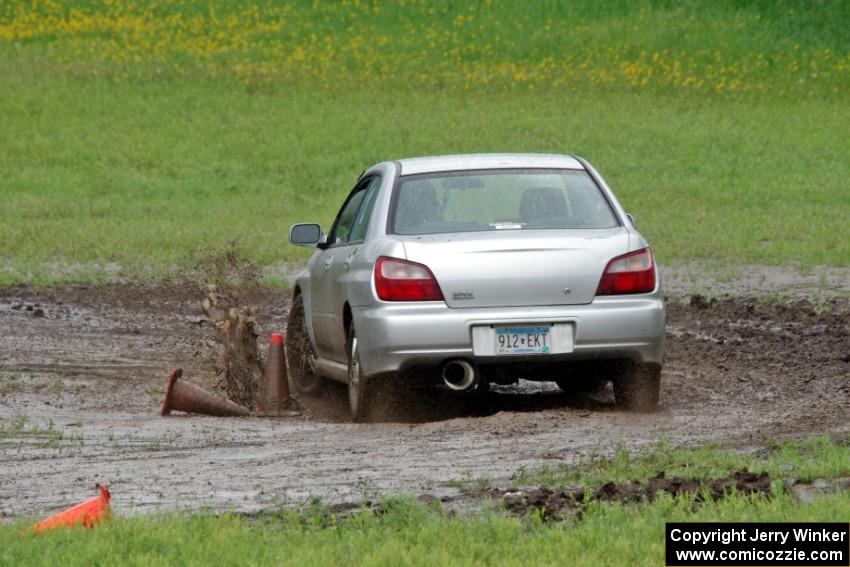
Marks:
<point>185,396</point>
<point>276,386</point>
<point>87,514</point>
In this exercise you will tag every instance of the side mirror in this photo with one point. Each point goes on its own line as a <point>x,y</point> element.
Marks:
<point>305,234</point>
<point>631,220</point>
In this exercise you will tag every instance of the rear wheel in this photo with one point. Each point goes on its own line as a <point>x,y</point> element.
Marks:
<point>357,382</point>
<point>638,387</point>
<point>300,356</point>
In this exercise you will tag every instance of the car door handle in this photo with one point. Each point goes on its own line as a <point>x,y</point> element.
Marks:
<point>328,263</point>
<point>349,259</point>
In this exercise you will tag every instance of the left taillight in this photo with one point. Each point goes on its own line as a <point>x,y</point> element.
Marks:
<point>402,280</point>
<point>630,273</point>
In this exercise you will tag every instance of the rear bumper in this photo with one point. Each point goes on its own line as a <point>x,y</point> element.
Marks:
<point>398,336</point>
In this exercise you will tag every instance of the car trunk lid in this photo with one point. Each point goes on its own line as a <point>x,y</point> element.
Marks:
<point>514,268</point>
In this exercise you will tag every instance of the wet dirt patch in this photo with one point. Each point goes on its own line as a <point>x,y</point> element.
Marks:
<point>88,374</point>
<point>553,503</point>
<point>814,282</point>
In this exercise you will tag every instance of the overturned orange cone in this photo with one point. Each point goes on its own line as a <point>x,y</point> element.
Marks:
<point>275,387</point>
<point>87,514</point>
<point>185,396</point>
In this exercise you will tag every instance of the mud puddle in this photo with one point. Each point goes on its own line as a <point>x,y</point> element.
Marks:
<point>82,371</point>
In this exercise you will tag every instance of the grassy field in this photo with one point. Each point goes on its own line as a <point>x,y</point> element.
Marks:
<point>139,136</point>
<point>411,533</point>
<point>143,139</point>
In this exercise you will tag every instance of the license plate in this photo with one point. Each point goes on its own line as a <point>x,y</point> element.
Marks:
<point>523,340</point>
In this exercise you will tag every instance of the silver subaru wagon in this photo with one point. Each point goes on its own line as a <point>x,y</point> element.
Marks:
<point>472,270</point>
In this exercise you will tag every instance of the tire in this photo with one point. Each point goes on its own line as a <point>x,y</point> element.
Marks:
<point>358,398</point>
<point>300,355</point>
<point>637,388</point>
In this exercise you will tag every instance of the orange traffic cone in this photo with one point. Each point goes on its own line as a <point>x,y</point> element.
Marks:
<point>185,396</point>
<point>87,514</point>
<point>276,386</point>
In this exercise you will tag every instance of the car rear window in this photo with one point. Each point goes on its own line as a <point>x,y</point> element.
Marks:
<point>471,201</point>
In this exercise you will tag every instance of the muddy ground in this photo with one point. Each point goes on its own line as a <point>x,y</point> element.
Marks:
<point>82,371</point>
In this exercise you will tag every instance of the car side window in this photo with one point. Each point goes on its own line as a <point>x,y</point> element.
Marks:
<point>345,219</point>
<point>361,222</point>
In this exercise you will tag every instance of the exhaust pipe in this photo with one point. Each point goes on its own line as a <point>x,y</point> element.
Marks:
<point>459,376</point>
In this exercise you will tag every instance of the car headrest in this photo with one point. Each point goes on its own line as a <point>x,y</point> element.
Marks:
<point>542,202</point>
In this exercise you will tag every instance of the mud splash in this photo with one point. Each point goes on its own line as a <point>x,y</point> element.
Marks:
<point>237,358</point>
<point>83,369</point>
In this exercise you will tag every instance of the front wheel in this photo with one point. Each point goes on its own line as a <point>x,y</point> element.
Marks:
<point>300,355</point>
<point>638,387</point>
<point>357,382</point>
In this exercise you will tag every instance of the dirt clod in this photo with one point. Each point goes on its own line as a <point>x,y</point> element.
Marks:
<point>553,502</point>
<point>699,301</point>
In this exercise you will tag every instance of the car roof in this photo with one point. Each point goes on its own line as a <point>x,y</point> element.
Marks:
<point>461,162</point>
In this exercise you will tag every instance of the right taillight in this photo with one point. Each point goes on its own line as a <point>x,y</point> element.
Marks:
<point>630,273</point>
<point>402,280</point>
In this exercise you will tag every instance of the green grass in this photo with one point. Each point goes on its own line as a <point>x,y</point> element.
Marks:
<point>408,532</point>
<point>795,460</point>
<point>756,46</point>
<point>137,137</point>
<point>145,175</point>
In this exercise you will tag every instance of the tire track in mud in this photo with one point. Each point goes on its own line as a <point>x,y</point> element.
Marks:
<point>87,374</point>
